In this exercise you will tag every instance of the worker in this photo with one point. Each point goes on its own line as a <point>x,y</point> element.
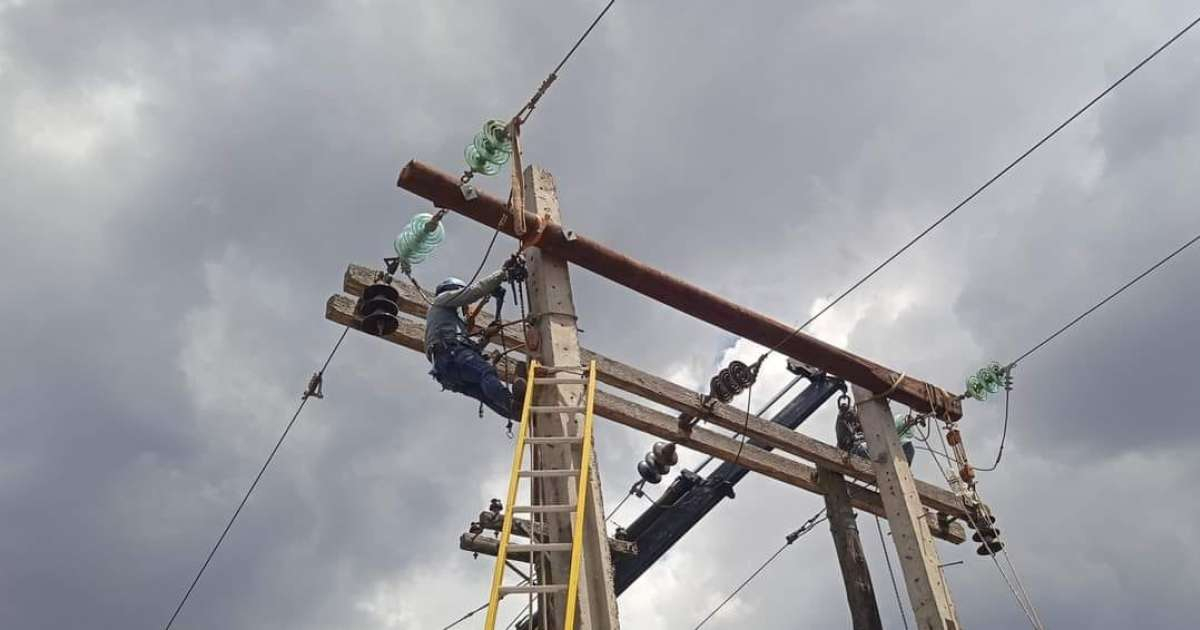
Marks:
<point>458,364</point>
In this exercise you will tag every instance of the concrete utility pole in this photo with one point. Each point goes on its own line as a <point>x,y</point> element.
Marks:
<point>927,589</point>
<point>556,343</point>
<point>860,592</point>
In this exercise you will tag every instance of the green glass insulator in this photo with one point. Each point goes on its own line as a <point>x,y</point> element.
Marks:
<point>975,388</point>
<point>489,149</point>
<point>494,137</point>
<point>996,379</point>
<point>478,163</point>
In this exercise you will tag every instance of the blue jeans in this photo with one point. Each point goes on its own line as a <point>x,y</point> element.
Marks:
<point>461,369</point>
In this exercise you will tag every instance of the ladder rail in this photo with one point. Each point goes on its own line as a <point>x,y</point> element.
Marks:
<point>585,464</point>
<point>506,530</point>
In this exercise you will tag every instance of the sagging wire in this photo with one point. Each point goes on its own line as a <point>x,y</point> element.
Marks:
<point>792,537</point>
<point>993,377</point>
<point>312,390</point>
<point>983,187</point>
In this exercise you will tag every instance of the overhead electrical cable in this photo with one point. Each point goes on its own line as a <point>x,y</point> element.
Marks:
<point>1110,296</point>
<point>808,526</point>
<point>312,392</point>
<point>980,189</point>
<point>527,110</point>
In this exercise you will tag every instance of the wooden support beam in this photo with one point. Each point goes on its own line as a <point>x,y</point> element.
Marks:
<point>488,546</point>
<point>553,311</point>
<point>630,379</point>
<point>443,190</point>
<point>856,575</point>
<point>927,589</point>
<point>411,334</point>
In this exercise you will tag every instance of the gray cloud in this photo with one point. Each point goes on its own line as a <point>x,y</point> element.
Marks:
<point>184,185</point>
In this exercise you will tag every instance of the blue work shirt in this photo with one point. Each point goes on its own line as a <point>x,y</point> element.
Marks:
<point>443,322</point>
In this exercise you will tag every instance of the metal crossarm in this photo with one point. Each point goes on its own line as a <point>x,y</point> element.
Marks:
<point>575,509</point>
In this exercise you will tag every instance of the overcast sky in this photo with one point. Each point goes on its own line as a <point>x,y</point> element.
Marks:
<point>184,183</point>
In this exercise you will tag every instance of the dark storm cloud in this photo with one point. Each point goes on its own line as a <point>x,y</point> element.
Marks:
<point>185,182</point>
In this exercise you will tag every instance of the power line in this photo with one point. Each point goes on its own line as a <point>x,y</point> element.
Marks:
<point>891,572</point>
<point>808,526</point>
<point>981,188</point>
<point>1112,295</point>
<point>465,617</point>
<point>314,388</point>
<point>527,110</point>
<point>1003,435</point>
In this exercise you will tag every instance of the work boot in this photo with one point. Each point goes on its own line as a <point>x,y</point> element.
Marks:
<point>518,397</point>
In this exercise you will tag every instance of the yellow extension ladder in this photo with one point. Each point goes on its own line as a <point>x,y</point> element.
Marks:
<point>539,376</point>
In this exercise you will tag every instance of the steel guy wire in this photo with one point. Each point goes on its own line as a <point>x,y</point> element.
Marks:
<point>527,110</point>
<point>887,557</point>
<point>808,526</point>
<point>220,539</point>
<point>465,617</point>
<point>983,187</point>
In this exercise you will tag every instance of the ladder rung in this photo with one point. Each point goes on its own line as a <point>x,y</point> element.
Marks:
<point>557,439</point>
<point>577,369</point>
<point>558,380</point>
<point>558,546</point>
<point>549,507</point>
<point>533,588</point>
<point>557,409</point>
<point>554,472</point>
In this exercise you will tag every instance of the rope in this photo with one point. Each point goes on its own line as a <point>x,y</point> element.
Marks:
<point>1110,296</point>
<point>309,393</point>
<point>891,572</point>
<point>884,394</point>
<point>808,526</point>
<point>982,188</point>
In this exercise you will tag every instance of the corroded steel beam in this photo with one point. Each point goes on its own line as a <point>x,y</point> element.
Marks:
<point>443,190</point>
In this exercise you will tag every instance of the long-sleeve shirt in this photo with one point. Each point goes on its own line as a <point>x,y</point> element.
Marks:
<point>443,322</point>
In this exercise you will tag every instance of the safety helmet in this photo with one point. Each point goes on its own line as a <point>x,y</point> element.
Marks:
<point>449,284</point>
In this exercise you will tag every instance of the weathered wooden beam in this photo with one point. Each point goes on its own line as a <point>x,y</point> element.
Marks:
<point>630,379</point>
<point>411,334</point>
<point>856,575</point>
<point>443,190</point>
<point>488,546</point>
